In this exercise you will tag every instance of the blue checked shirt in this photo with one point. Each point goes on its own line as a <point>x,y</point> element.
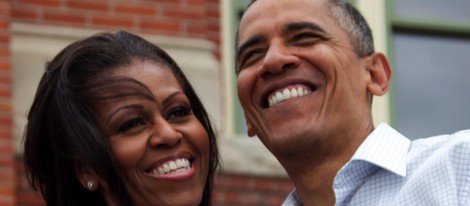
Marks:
<point>389,169</point>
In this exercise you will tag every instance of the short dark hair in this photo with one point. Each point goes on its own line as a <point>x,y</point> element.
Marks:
<point>349,19</point>
<point>63,132</point>
<point>352,21</point>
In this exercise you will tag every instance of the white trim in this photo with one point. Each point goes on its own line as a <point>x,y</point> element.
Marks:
<point>227,62</point>
<point>375,14</point>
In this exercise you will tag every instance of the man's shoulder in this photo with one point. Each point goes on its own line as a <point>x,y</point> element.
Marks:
<point>439,167</point>
<point>459,139</point>
<point>445,151</point>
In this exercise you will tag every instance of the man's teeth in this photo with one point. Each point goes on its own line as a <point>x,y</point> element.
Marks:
<point>287,94</point>
<point>172,167</point>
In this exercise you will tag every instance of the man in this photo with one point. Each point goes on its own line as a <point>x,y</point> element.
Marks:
<point>306,75</point>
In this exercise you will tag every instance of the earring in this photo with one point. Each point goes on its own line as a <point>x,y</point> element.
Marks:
<point>91,185</point>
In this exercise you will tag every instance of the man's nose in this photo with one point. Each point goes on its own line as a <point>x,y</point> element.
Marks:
<point>165,135</point>
<point>277,59</point>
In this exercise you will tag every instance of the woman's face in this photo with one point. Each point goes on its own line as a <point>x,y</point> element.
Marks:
<point>160,146</point>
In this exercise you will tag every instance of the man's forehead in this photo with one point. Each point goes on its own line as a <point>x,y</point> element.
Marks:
<point>279,14</point>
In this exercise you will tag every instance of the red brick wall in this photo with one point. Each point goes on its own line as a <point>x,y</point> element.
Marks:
<point>185,18</point>
<point>7,177</point>
<point>182,18</point>
<point>236,190</point>
<point>229,190</point>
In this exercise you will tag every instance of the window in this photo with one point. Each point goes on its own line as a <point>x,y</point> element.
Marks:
<point>431,50</point>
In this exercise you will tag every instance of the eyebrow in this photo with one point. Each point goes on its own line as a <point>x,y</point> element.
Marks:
<point>129,106</point>
<point>171,96</point>
<point>295,26</point>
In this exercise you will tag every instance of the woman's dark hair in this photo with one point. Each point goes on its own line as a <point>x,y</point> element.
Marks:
<point>63,132</point>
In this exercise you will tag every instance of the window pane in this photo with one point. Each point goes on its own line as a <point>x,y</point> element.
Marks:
<point>431,84</point>
<point>448,10</point>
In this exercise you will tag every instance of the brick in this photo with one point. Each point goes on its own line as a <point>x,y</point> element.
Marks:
<point>4,38</point>
<point>160,26</point>
<point>50,3</point>
<point>6,120</point>
<point>6,191</point>
<point>180,14</point>
<point>240,182</point>
<point>213,13</point>
<point>4,65</point>
<point>196,31</point>
<point>112,22</point>
<point>95,6</point>
<point>6,149</point>
<point>30,199</point>
<point>4,51</point>
<point>261,184</point>
<point>132,9</point>
<point>175,2</point>
<point>4,10</point>
<point>63,17</point>
<point>5,134</point>
<point>4,25</point>
<point>195,1</point>
<point>213,27</point>
<point>25,14</point>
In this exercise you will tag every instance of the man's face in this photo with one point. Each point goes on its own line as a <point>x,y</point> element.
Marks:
<point>298,76</point>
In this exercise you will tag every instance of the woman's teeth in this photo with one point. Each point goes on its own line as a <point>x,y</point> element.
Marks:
<point>287,94</point>
<point>172,167</point>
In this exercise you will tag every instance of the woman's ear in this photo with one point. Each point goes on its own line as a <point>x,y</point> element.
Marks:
<point>87,178</point>
<point>380,74</point>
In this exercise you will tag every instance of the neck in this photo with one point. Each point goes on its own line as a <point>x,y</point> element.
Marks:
<point>313,171</point>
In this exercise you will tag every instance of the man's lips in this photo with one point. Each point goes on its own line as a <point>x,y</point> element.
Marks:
<point>287,92</point>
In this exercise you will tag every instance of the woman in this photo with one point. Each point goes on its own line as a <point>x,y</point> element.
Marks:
<point>115,122</point>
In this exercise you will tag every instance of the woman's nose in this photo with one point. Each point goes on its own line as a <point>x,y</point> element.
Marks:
<point>165,135</point>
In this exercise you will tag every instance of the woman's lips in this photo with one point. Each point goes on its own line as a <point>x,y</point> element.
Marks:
<point>171,167</point>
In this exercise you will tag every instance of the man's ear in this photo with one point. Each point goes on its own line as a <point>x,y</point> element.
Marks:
<point>249,129</point>
<point>380,74</point>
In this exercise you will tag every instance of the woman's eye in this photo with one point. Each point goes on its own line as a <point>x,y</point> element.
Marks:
<point>135,122</point>
<point>177,112</point>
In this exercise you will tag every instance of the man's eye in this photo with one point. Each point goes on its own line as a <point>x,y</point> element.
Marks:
<point>249,57</point>
<point>178,112</point>
<point>135,122</point>
<point>305,38</point>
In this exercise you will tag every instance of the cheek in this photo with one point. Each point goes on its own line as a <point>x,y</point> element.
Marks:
<point>127,152</point>
<point>198,137</point>
<point>245,82</point>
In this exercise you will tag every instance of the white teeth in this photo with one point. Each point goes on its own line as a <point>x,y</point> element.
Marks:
<point>279,97</point>
<point>287,94</point>
<point>172,167</point>
<point>300,90</point>
<point>294,93</point>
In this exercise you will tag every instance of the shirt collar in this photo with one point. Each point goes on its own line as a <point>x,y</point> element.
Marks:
<point>292,199</point>
<point>386,148</point>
